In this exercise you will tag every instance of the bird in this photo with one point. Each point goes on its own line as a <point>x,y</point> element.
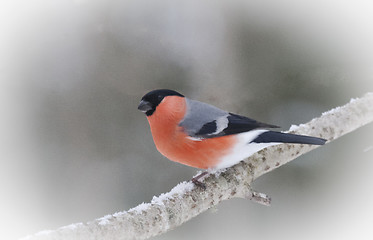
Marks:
<point>203,136</point>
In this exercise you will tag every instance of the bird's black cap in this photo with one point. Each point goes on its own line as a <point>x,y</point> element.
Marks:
<point>150,101</point>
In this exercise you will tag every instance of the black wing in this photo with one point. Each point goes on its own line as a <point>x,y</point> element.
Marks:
<point>236,124</point>
<point>270,136</point>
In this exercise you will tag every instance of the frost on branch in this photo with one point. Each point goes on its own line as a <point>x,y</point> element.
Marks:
<point>185,201</point>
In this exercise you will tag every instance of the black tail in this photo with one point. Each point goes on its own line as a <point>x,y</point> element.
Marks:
<point>268,137</point>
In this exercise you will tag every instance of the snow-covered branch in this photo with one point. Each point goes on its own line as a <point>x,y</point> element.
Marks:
<point>186,201</point>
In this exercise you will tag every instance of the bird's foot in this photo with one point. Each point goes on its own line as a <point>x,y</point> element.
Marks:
<point>197,182</point>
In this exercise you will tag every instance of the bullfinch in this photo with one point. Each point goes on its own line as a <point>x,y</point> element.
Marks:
<point>203,136</point>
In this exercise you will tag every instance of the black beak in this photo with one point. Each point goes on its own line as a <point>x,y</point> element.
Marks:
<point>145,106</point>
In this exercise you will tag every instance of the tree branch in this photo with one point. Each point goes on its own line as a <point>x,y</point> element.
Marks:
<point>186,201</point>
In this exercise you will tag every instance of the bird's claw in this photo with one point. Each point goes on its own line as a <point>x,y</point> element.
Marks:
<point>198,183</point>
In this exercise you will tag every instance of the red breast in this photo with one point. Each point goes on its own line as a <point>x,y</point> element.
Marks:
<point>175,144</point>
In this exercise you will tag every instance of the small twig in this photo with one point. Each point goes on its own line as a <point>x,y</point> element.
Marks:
<point>261,198</point>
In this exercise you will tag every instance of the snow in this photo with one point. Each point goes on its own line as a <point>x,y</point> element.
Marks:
<point>219,171</point>
<point>178,190</point>
<point>140,208</point>
<point>262,195</point>
<point>353,100</point>
<point>118,214</point>
<point>104,220</point>
<point>293,127</point>
<point>72,226</point>
<point>331,111</point>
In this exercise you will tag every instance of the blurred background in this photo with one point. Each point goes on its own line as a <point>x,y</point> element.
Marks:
<point>74,147</point>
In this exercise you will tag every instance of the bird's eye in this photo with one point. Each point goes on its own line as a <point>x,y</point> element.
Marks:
<point>160,98</point>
